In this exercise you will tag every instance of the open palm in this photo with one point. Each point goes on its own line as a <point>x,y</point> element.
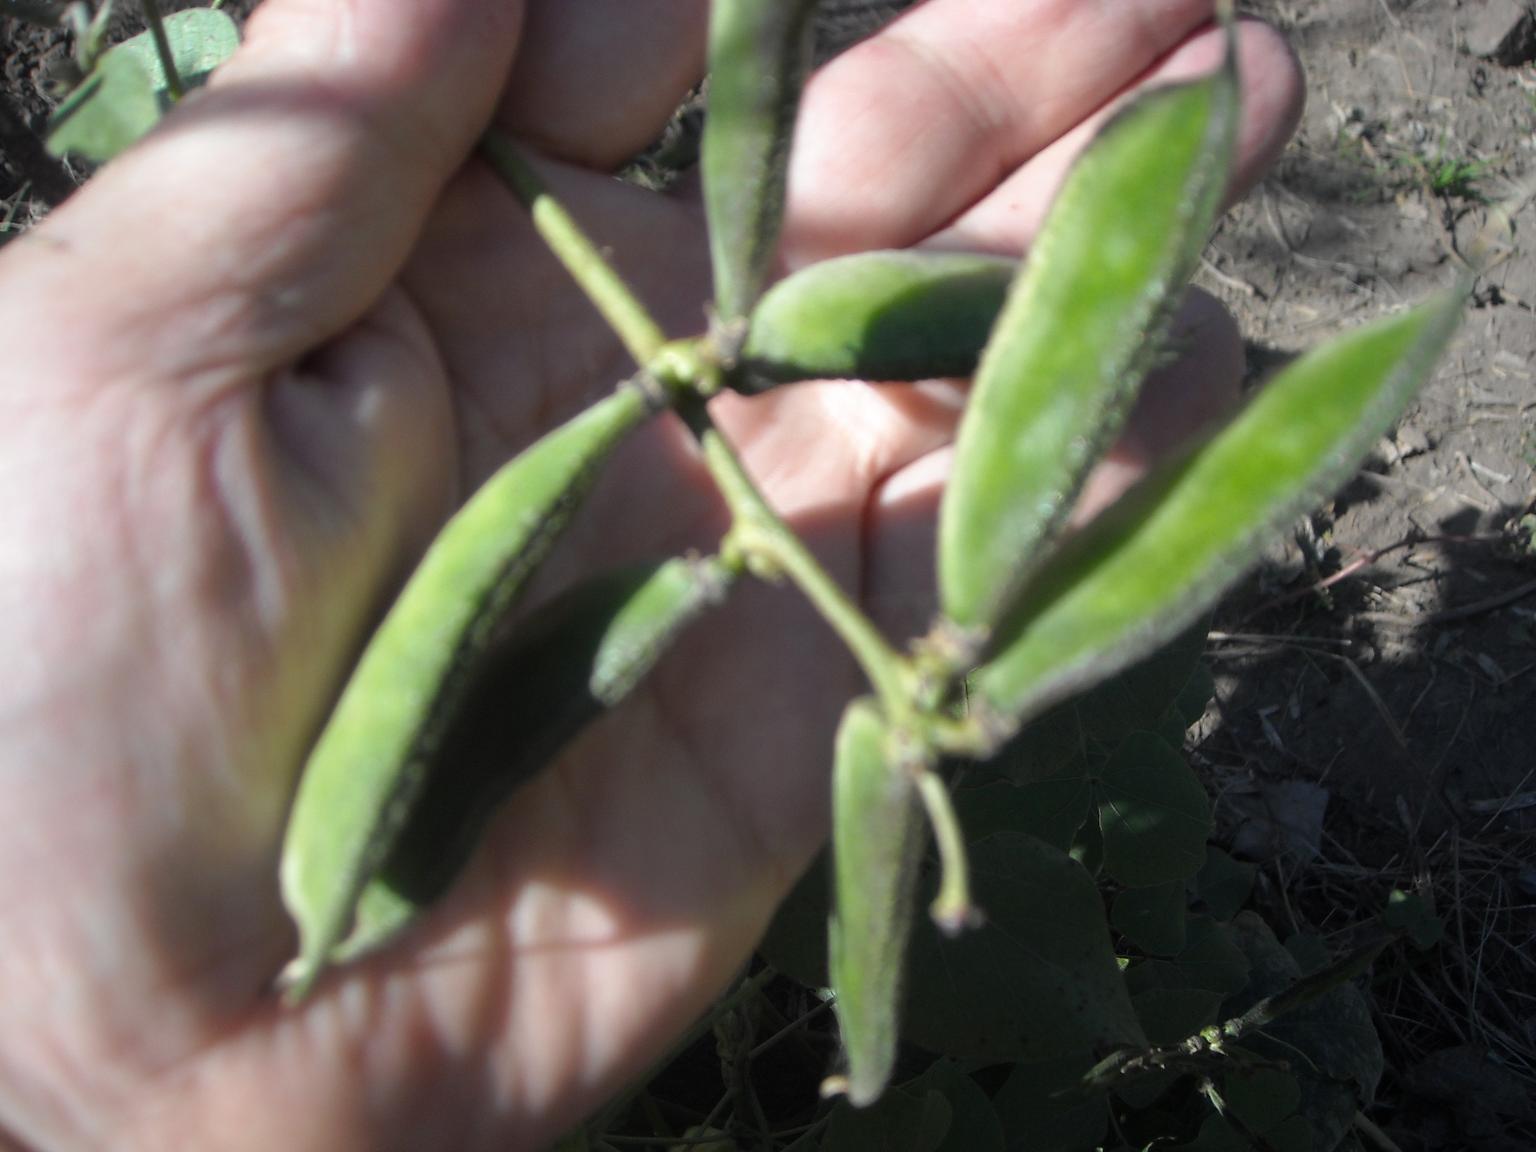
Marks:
<point>252,367</point>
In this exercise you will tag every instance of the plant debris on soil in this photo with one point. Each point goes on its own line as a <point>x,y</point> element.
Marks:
<point>1376,678</point>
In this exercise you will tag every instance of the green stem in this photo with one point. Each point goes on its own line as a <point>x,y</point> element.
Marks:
<point>163,49</point>
<point>770,547</point>
<point>641,335</point>
<point>951,909</point>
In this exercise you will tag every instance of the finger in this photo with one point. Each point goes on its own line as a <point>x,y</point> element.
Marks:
<point>596,80</point>
<point>1007,218</point>
<point>951,99</point>
<point>270,210</point>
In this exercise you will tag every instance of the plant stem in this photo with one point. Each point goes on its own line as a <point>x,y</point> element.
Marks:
<point>951,909</point>
<point>641,335</point>
<point>770,548</point>
<point>163,49</point>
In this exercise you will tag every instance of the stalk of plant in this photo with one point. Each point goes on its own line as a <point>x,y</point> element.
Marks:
<point>1059,346</point>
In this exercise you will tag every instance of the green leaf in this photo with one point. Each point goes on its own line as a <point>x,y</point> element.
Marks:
<point>1169,1015</point>
<point>1161,556</point>
<point>1037,980</point>
<point>1039,1117</point>
<point>1152,918</point>
<point>1051,810</point>
<point>1216,1135</point>
<point>974,1125</point>
<point>1265,1102</point>
<point>581,654</point>
<point>374,755</point>
<point>1081,733</point>
<point>126,93</point>
<point>902,1121</point>
<point>875,316</point>
<point>1153,813</point>
<point>111,108</point>
<point>1224,884</point>
<point>1211,962</point>
<point>1077,335</point>
<point>878,837</point>
<point>759,54</point>
<point>201,39</point>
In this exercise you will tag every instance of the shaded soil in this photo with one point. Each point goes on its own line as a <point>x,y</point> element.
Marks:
<point>1376,679</point>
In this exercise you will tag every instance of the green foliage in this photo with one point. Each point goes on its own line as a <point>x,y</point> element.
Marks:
<point>127,89</point>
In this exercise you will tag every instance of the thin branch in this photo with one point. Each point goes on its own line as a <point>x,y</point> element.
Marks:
<point>641,335</point>
<point>770,549</point>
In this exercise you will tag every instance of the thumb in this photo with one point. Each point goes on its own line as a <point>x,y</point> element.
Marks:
<point>271,209</point>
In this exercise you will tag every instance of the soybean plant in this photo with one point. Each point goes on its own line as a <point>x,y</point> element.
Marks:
<point>1030,614</point>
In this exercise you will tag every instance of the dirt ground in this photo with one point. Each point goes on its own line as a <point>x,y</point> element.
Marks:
<point>1376,679</point>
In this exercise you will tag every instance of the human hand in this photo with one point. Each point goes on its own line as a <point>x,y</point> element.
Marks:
<point>251,368</point>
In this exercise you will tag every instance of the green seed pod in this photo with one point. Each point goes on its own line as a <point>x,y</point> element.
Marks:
<point>878,838</point>
<point>580,655</point>
<point>1078,334</point>
<point>370,761</point>
<point>875,316</point>
<point>759,54</point>
<point>1161,556</point>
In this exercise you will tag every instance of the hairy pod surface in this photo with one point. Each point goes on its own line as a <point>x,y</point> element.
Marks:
<point>579,656</point>
<point>875,316</point>
<point>1078,333</point>
<point>878,838</point>
<point>1162,555</point>
<point>759,54</point>
<point>371,760</point>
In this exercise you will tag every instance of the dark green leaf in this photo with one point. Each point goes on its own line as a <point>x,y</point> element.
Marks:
<point>1037,980</point>
<point>902,1121</point>
<point>1224,884</point>
<point>1050,810</point>
<point>1038,1117</point>
<point>1153,813</point>
<point>1152,918</point>
<point>1211,962</point>
<point>1169,1015</point>
<point>973,1124</point>
<point>875,316</point>
<point>1077,334</point>
<point>1152,563</point>
<point>1216,1135</point>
